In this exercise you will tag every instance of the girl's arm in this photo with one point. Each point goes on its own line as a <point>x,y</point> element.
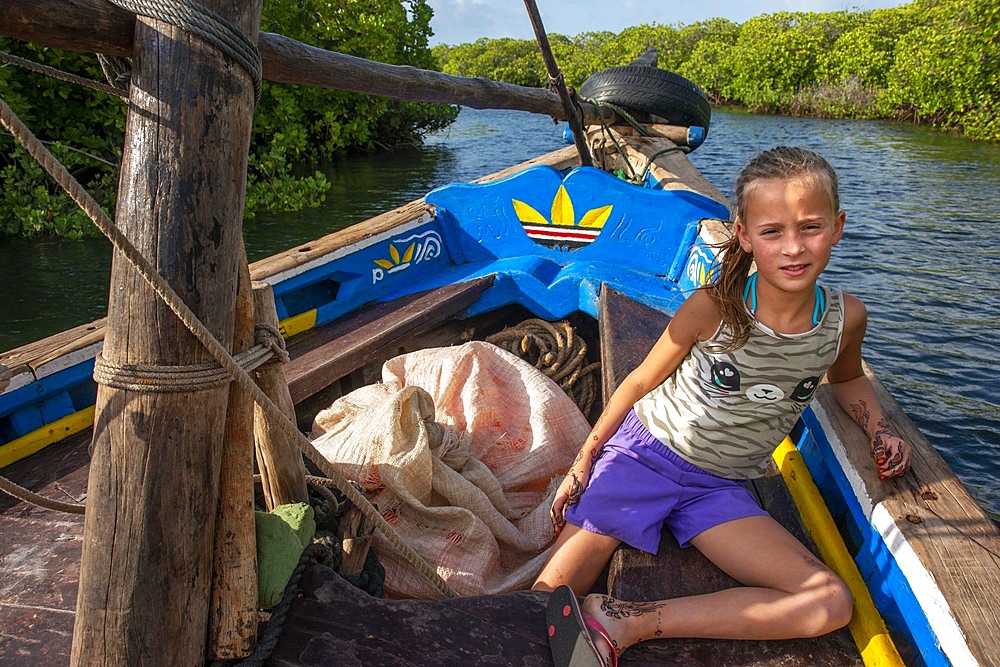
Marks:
<point>695,316</point>
<point>855,394</point>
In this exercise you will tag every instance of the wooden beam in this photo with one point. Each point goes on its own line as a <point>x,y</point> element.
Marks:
<point>56,23</point>
<point>282,471</point>
<point>153,492</point>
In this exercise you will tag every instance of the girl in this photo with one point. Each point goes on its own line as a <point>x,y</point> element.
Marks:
<point>723,385</point>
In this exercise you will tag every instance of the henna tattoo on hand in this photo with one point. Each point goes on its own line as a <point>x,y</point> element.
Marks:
<point>880,446</point>
<point>861,414</point>
<point>575,490</point>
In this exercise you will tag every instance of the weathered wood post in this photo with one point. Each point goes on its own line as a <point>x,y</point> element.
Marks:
<point>149,531</point>
<point>282,471</point>
<point>232,628</point>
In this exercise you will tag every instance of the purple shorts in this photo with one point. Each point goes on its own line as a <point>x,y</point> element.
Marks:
<point>638,485</point>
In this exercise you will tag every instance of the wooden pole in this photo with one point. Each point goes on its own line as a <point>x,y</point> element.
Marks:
<point>282,471</point>
<point>56,23</point>
<point>233,615</point>
<point>556,77</point>
<point>153,494</point>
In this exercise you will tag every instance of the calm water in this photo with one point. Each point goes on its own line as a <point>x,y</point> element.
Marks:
<point>921,248</point>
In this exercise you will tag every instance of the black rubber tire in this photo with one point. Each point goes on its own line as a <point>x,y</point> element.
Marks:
<point>650,90</point>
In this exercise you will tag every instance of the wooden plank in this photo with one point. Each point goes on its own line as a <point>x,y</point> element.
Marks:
<point>949,533</point>
<point>40,555</point>
<point>282,470</point>
<point>42,355</point>
<point>628,331</point>
<point>361,337</point>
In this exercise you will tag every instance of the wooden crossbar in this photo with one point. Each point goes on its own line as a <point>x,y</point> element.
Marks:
<point>333,351</point>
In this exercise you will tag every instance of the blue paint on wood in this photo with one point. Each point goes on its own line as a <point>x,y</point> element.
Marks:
<point>32,406</point>
<point>886,581</point>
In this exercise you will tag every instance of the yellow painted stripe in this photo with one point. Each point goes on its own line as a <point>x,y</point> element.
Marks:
<point>867,627</point>
<point>28,444</point>
<point>297,323</point>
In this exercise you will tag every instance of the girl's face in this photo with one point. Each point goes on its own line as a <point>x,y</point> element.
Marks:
<point>790,226</point>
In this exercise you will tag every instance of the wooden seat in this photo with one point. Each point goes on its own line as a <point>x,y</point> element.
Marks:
<point>323,355</point>
<point>628,331</point>
<point>333,623</point>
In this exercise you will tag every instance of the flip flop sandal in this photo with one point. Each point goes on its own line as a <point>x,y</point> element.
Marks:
<point>570,633</point>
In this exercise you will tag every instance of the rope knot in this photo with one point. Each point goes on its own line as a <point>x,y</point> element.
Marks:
<point>270,337</point>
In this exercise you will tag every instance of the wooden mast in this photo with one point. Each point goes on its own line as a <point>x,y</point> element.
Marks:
<point>56,23</point>
<point>153,493</point>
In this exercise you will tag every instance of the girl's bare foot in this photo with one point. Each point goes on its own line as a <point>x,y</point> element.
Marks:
<point>597,606</point>
<point>619,618</point>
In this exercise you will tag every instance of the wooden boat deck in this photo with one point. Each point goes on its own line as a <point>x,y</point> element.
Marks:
<point>40,577</point>
<point>41,556</point>
<point>928,509</point>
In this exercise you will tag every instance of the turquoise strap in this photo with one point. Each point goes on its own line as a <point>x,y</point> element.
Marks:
<point>750,292</point>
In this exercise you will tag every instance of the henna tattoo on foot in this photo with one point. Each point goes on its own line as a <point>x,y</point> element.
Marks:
<point>619,609</point>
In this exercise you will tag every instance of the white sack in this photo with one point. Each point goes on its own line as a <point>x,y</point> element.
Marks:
<point>473,497</point>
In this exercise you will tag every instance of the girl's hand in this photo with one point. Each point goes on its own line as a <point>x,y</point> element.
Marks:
<point>569,492</point>
<point>892,454</point>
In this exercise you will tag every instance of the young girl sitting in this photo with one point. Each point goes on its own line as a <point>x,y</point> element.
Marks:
<point>736,366</point>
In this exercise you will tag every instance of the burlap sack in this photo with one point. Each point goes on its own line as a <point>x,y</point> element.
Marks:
<point>461,449</point>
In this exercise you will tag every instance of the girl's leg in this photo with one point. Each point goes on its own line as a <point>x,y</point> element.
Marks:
<point>788,592</point>
<point>577,559</point>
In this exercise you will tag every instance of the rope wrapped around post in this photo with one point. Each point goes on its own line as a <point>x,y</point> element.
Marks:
<point>195,377</point>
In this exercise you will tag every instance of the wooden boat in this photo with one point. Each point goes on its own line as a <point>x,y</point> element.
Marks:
<point>552,240</point>
<point>462,262</point>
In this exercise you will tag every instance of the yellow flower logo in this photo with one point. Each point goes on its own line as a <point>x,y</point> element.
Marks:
<point>397,261</point>
<point>562,213</point>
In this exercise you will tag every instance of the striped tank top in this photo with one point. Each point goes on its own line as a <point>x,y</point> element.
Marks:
<point>727,411</point>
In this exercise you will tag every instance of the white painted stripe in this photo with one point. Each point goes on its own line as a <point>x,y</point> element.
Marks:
<point>930,598</point>
<point>348,249</point>
<point>18,381</point>
<point>67,360</point>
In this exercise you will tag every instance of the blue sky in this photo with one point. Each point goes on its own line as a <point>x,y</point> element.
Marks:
<point>458,21</point>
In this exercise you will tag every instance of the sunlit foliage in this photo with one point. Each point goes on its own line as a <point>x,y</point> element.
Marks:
<point>296,128</point>
<point>932,61</point>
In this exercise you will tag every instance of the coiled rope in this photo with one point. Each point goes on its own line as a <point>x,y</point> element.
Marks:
<point>274,414</point>
<point>556,350</point>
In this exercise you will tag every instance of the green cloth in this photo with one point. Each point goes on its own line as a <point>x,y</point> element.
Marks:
<point>282,535</point>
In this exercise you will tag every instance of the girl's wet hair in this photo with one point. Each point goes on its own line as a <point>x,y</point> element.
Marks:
<point>782,162</point>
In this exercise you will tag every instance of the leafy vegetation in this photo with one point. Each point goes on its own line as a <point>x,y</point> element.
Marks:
<point>931,61</point>
<point>296,128</point>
